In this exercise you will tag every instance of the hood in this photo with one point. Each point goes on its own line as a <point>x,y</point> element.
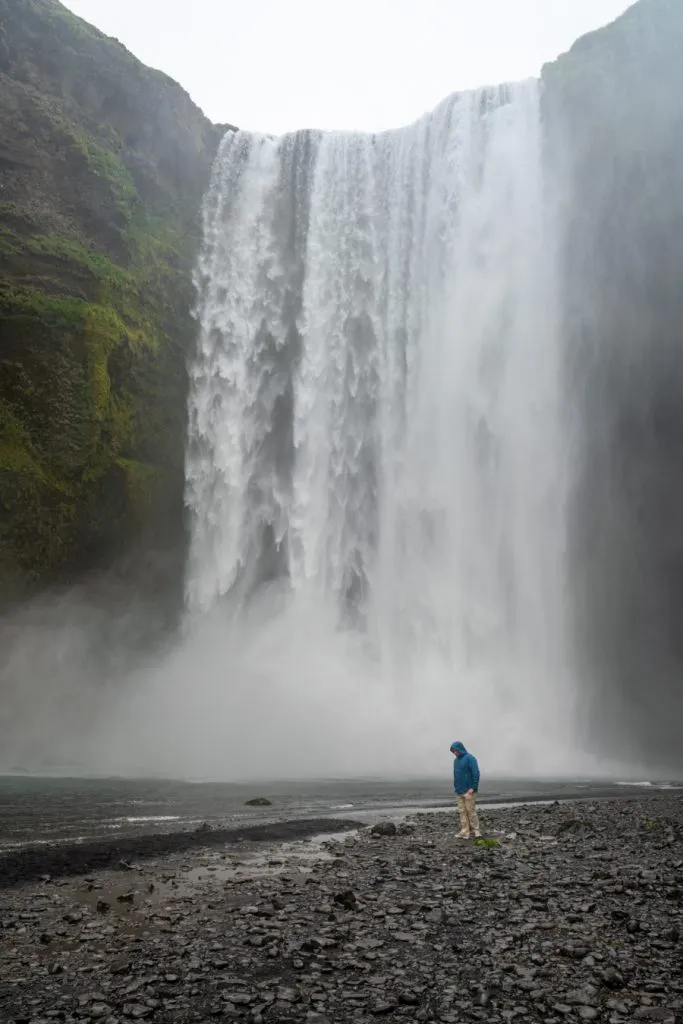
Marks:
<point>458,748</point>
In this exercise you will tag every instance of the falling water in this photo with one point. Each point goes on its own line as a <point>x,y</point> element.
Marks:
<point>376,427</point>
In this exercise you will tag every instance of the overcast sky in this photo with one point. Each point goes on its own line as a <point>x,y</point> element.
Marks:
<point>278,65</point>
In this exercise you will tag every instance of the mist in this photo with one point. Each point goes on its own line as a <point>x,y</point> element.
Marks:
<point>274,691</point>
<point>60,656</point>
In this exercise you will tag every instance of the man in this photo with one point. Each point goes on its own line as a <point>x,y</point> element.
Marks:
<point>466,786</point>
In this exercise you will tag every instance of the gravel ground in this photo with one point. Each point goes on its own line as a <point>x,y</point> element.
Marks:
<point>568,913</point>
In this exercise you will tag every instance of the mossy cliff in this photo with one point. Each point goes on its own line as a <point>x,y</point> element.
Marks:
<point>103,163</point>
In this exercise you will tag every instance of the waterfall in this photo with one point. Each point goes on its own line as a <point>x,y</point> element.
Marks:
<point>375,428</point>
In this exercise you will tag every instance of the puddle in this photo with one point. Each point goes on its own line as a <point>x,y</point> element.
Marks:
<point>122,895</point>
<point>297,857</point>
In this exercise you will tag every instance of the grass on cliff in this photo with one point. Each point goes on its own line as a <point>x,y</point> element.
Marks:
<point>16,451</point>
<point>91,334</point>
<point>110,167</point>
<point>67,438</point>
<point>123,290</point>
<point>97,240</point>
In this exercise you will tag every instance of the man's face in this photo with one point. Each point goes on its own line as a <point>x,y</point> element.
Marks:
<point>456,753</point>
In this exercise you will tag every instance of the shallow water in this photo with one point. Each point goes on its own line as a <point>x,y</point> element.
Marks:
<point>37,809</point>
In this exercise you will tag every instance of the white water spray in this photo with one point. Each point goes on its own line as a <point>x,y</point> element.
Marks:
<point>375,419</point>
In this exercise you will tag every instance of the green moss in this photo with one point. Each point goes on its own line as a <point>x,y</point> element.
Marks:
<point>93,333</point>
<point>72,249</point>
<point>56,469</point>
<point>59,311</point>
<point>8,210</point>
<point>9,243</point>
<point>97,240</point>
<point>142,483</point>
<point>118,288</point>
<point>110,167</point>
<point>103,332</point>
<point>16,454</point>
<point>487,844</point>
<point>37,508</point>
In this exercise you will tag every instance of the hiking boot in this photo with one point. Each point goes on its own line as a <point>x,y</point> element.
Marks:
<point>463,835</point>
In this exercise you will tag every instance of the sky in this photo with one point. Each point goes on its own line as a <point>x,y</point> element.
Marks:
<point>366,65</point>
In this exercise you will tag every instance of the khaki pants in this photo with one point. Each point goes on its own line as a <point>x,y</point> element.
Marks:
<point>469,819</point>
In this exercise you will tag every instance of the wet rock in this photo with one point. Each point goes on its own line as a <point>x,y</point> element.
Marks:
<point>407,828</point>
<point>383,1007</point>
<point>346,899</point>
<point>99,1010</point>
<point>436,917</point>
<point>136,1011</point>
<point>611,978</point>
<point>408,999</point>
<point>400,930</point>
<point>655,1013</point>
<point>384,828</point>
<point>483,998</point>
<point>238,998</point>
<point>258,801</point>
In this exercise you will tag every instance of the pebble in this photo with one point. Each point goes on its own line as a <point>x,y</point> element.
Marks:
<point>574,916</point>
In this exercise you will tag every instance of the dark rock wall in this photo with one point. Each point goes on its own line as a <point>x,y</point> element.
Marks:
<point>614,120</point>
<point>103,164</point>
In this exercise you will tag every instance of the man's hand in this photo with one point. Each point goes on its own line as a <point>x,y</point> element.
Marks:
<point>470,792</point>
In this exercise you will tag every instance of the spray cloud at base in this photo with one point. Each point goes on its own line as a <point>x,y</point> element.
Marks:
<point>281,692</point>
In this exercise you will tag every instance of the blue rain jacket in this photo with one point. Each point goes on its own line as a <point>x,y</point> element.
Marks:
<point>465,770</point>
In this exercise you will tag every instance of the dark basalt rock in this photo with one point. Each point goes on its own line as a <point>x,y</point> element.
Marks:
<point>525,932</point>
<point>384,828</point>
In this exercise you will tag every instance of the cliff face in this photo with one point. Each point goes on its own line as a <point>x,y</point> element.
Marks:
<point>614,120</point>
<point>103,164</point>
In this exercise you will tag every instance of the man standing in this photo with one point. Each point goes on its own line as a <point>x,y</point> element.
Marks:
<point>466,786</point>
